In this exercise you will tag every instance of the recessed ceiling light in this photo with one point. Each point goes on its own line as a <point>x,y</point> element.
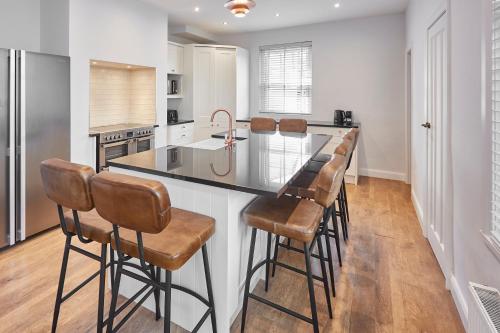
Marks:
<point>336,5</point>
<point>196,9</point>
<point>225,23</point>
<point>277,14</point>
<point>94,62</point>
<point>129,67</point>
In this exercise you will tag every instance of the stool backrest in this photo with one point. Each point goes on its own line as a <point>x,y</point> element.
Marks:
<point>262,124</point>
<point>343,148</point>
<point>293,125</point>
<point>67,184</point>
<point>330,180</point>
<point>134,203</point>
<point>351,136</point>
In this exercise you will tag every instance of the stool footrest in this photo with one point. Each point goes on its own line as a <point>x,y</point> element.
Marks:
<point>133,310</point>
<point>280,308</point>
<point>80,286</point>
<point>85,253</point>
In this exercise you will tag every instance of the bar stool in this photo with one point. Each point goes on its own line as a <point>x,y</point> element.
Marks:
<point>68,185</point>
<point>260,124</point>
<point>304,186</point>
<point>298,219</point>
<point>293,125</point>
<point>146,227</point>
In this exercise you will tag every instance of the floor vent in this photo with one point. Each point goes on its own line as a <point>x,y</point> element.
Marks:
<point>484,310</point>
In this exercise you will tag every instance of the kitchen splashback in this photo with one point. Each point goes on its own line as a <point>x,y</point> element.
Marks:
<point>121,94</point>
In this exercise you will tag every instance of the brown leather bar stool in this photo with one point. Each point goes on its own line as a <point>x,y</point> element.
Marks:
<point>146,227</point>
<point>305,186</point>
<point>260,124</point>
<point>298,219</point>
<point>293,125</point>
<point>68,185</point>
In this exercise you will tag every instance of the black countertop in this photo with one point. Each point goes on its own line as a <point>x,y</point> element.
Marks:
<point>96,131</point>
<point>317,123</point>
<point>180,122</point>
<point>264,163</point>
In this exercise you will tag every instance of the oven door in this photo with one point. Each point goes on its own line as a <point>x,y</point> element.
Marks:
<point>109,151</point>
<point>144,144</point>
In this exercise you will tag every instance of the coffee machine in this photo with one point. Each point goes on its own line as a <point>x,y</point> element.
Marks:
<point>348,118</point>
<point>339,117</point>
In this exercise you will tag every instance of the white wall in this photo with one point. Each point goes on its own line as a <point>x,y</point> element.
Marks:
<point>357,65</point>
<point>123,31</point>
<point>20,24</point>
<point>470,140</point>
<point>54,27</point>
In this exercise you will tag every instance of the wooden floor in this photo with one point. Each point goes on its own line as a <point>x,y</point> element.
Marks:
<point>390,280</point>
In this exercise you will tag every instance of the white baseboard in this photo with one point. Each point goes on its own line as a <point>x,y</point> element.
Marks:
<point>419,211</point>
<point>383,174</point>
<point>460,301</point>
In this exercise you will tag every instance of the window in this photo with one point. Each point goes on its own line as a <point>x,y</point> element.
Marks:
<point>286,78</point>
<point>495,95</point>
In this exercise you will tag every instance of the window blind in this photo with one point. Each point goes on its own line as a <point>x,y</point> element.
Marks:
<point>495,63</point>
<point>286,78</point>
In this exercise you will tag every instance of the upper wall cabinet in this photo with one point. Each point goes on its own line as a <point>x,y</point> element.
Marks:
<point>175,58</point>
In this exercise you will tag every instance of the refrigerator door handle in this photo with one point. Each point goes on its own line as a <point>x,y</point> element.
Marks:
<point>12,147</point>
<point>21,125</point>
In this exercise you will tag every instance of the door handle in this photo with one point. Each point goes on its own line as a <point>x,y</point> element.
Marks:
<point>427,125</point>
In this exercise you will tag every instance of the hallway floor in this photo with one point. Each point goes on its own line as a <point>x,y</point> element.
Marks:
<point>390,280</point>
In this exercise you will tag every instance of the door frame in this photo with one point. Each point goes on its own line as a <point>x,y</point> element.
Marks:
<point>408,115</point>
<point>447,264</point>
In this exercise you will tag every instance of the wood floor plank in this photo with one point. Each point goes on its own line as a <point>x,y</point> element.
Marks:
<point>390,280</point>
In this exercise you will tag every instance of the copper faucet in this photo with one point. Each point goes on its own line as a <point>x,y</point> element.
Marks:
<point>229,139</point>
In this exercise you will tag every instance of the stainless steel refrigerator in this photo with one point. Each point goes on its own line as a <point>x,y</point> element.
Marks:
<point>34,126</point>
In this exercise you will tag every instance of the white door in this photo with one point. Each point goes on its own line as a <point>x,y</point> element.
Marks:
<point>439,221</point>
<point>225,84</point>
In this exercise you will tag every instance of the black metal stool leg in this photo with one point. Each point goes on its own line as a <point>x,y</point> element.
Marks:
<point>268,258</point>
<point>102,282</point>
<point>114,298</point>
<point>346,201</point>
<point>209,288</point>
<point>276,249</point>
<point>112,266</point>
<point>330,261</point>
<point>168,301</point>
<point>310,285</point>
<point>156,277</point>
<point>60,287</point>
<point>325,278</point>
<point>247,282</point>
<point>336,232</point>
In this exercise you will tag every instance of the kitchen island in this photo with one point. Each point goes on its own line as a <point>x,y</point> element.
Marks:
<point>210,179</point>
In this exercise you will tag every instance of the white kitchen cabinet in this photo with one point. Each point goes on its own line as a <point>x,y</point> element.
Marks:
<point>243,125</point>
<point>175,58</point>
<point>181,134</point>
<point>337,133</point>
<point>216,77</point>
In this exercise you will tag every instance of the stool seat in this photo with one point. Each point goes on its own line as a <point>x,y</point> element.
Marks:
<point>286,216</point>
<point>93,226</point>
<point>322,158</point>
<point>304,185</point>
<point>170,249</point>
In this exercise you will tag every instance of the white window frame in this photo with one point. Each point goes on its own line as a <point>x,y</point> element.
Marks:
<point>282,45</point>
<point>492,241</point>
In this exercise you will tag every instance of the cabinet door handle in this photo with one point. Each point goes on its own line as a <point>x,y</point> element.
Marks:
<point>427,125</point>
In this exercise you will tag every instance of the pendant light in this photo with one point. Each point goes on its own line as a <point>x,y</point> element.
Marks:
<point>240,8</point>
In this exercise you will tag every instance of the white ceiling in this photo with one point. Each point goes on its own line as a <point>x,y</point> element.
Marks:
<point>212,13</point>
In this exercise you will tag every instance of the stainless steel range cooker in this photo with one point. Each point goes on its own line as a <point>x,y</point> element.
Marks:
<point>121,140</point>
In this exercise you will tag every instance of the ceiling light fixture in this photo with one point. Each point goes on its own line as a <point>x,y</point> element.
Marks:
<point>240,8</point>
<point>277,14</point>
<point>225,23</point>
<point>196,9</point>
<point>336,5</point>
